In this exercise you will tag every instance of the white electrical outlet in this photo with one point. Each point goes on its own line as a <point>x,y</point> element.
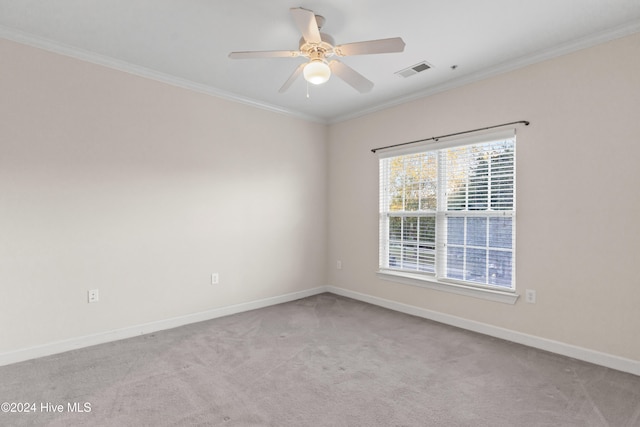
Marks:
<point>530,296</point>
<point>93,296</point>
<point>339,265</point>
<point>215,279</point>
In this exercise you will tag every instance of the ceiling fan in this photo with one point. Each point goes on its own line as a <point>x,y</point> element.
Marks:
<point>318,47</point>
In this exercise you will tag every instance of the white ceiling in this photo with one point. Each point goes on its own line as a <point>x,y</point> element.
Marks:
<point>186,42</point>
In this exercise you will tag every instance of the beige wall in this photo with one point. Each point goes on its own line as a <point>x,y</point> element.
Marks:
<point>140,189</point>
<point>578,218</point>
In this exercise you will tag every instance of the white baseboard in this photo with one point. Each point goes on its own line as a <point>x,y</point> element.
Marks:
<point>147,328</point>
<point>580,353</point>
<point>592,356</point>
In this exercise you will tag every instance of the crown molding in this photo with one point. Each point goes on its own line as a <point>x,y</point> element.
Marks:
<point>116,64</point>
<point>511,65</point>
<point>106,61</point>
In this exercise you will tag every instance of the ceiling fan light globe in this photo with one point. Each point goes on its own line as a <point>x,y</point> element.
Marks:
<point>317,72</point>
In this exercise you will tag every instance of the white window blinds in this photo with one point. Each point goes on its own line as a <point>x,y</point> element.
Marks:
<point>447,210</point>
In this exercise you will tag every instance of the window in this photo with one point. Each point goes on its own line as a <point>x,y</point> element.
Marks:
<point>447,211</point>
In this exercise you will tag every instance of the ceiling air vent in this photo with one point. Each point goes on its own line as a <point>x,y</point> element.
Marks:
<point>414,69</point>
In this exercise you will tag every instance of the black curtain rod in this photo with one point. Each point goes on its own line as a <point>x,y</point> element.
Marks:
<point>436,138</point>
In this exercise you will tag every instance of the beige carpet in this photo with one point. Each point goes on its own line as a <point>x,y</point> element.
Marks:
<point>320,361</point>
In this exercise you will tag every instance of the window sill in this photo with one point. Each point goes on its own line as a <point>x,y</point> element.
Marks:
<point>507,297</point>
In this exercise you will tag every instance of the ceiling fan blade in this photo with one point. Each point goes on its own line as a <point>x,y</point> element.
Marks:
<point>292,78</point>
<point>351,76</point>
<point>265,54</point>
<point>306,22</point>
<point>395,44</point>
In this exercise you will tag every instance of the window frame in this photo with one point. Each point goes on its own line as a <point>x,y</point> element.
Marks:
<point>436,279</point>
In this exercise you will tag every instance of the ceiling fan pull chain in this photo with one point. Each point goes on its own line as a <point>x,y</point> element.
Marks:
<point>307,90</point>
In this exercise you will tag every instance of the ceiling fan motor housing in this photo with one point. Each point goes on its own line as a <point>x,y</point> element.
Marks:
<point>324,48</point>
